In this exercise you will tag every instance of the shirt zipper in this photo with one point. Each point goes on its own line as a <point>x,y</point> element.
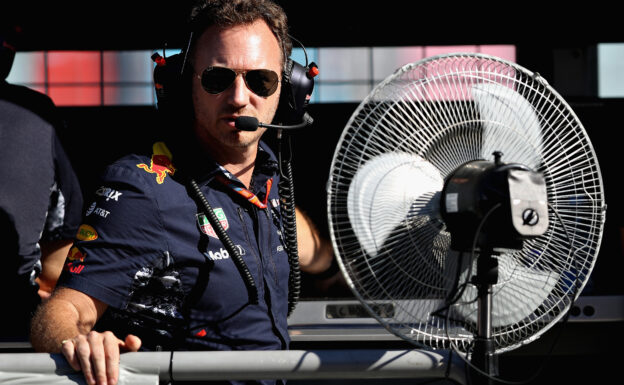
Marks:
<point>253,248</point>
<point>270,245</point>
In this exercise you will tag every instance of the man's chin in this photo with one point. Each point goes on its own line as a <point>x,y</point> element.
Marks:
<point>243,139</point>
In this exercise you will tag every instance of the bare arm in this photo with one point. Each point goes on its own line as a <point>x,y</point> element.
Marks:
<point>63,324</point>
<point>315,252</point>
<point>67,314</point>
<point>53,256</point>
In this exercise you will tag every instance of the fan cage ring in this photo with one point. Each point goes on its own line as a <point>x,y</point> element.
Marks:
<point>447,110</point>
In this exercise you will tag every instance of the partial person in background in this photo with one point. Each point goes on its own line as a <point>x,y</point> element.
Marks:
<point>40,197</point>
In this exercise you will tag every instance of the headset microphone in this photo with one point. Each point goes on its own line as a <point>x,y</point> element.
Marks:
<point>249,123</point>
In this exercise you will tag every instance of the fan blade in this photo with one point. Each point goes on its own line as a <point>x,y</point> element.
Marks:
<point>510,124</point>
<point>386,191</point>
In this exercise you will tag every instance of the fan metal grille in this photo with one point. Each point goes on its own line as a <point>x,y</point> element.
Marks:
<point>446,111</point>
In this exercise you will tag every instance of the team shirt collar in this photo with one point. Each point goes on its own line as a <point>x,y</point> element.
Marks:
<point>205,170</point>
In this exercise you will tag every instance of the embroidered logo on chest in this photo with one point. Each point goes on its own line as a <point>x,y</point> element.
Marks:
<point>206,227</point>
<point>160,163</point>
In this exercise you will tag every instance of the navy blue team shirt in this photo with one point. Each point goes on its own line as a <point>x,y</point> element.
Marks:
<point>147,251</point>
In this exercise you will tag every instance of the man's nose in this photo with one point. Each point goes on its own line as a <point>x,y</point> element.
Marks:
<point>239,93</point>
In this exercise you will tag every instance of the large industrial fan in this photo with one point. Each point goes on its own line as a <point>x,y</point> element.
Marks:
<point>466,205</point>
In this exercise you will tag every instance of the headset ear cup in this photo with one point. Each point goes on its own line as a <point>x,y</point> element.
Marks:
<point>171,83</point>
<point>297,86</point>
<point>285,102</point>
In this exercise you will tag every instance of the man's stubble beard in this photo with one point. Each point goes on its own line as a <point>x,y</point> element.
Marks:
<point>244,140</point>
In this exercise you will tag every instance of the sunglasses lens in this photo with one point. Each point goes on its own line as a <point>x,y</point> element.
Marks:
<point>262,82</point>
<point>217,79</point>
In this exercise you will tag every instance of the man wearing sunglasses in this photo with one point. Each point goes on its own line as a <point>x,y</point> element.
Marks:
<point>148,269</point>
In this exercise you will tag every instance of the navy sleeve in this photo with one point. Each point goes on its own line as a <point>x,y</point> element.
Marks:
<point>120,240</point>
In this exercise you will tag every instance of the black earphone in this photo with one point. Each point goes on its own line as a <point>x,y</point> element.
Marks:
<point>297,87</point>
<point>168,81</point>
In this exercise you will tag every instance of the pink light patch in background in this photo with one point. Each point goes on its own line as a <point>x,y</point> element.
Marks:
<point>74,77</point>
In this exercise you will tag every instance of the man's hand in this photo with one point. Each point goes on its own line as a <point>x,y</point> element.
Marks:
<point>72,313</point>
<point>97,355</point>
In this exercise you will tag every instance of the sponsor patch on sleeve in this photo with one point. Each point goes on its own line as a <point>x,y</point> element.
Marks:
<point>108,193</point>
<point>73,264</point>
<point>86,233</point>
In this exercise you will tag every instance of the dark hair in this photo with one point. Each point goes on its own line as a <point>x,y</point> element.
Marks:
<point>227,13</point>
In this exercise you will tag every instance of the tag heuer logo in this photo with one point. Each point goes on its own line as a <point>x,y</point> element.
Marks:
<point>206,227</point>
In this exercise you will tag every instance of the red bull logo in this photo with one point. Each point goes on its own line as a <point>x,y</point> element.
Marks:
<point>74,259</point>
<point>76,269</point>
<point>75,255</point>
<point>161,162</point>
<point>86,233</point>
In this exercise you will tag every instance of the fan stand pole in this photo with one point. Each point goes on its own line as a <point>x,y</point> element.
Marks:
<point>483,357</point>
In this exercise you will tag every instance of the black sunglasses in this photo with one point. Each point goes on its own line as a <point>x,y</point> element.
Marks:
<point>261,82</point>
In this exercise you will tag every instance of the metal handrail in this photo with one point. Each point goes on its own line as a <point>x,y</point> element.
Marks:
<point>250,365</point>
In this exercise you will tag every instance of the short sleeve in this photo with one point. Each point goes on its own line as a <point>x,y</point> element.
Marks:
<point>121,238</point>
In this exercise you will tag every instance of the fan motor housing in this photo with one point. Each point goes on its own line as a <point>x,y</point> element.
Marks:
<point>504,203</point>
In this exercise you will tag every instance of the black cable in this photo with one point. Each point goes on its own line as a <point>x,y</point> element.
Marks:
<point>456,291</point>
<point>287,194</point>
<point>227,242</point>
<point>171,381</point>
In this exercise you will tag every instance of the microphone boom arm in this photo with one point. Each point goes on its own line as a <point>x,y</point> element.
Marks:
<point>250,123</point>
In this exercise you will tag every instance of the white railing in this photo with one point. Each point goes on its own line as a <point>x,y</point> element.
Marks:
<point>161,367</point>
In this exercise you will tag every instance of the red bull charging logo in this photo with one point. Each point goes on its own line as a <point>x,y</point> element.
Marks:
<point>161,162</point>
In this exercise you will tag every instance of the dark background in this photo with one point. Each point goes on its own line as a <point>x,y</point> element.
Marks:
<point>559,43</point>
<point>142,24</point>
